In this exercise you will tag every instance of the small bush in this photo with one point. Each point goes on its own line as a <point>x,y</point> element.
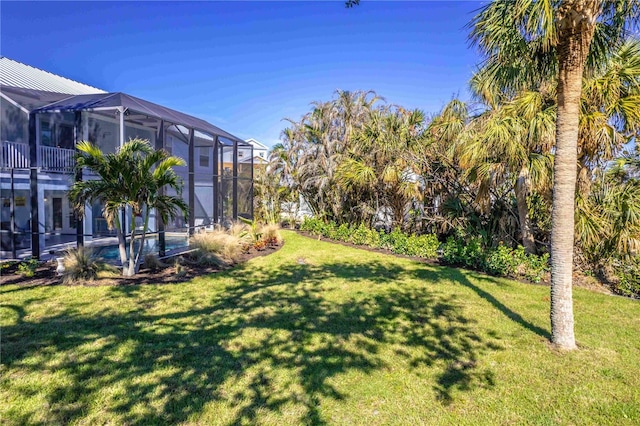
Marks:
<point>81,265</point>
<point>271,235</point>
<point>451,251</point>
<point>226,246</point>
<point>536,267</point>
<point>343,233</point>
<point>425,246</point>
<point>360,235</point>
<point>27,268</point>
<point>500,261</point>
<point>622,276</point>
<point>373,238</point>
<point>152,262</point>
<point>629,279</point>
<point>314,226</point>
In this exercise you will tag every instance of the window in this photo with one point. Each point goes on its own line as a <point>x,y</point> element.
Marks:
<point>204,157</point>
<point>65,136</point>
<point>58,135</point>
<point>45,134</point>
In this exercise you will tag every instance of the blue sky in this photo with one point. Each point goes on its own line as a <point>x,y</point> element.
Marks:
<point>245,66</point>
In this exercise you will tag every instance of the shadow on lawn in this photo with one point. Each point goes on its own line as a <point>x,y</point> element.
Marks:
<point>274,334</point>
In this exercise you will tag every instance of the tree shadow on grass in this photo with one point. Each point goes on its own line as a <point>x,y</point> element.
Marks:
<point>459,277</point>
<point>269,340</point>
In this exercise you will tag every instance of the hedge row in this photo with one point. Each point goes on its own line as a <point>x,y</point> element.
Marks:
<point>500,261</point>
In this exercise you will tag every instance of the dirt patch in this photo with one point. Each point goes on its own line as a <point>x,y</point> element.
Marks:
<point>45,274</point>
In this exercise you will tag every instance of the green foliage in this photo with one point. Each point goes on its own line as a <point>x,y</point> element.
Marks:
<point>501,261</point>
<point>627,278</point>
<point>360,235</point>
<point>342,233</point>
<point>461,250</point>
<point>27,268</point>
<point>536,267</point>
<point>425,246</point>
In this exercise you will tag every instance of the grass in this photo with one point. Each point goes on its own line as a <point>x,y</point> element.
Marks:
<point>315,333</point>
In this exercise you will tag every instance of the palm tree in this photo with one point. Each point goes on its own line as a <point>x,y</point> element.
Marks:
<point>133,178</point>
<point>378,166</point>
<point>510,146</point>
<point>527,42</point>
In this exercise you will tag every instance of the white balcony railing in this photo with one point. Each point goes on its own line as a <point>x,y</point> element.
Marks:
<point>54,159</point>
<point>14,155</point>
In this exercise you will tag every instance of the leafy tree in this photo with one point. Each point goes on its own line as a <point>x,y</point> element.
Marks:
<point>132,178</point>
<point>526,42</point>
<point>378,163</point>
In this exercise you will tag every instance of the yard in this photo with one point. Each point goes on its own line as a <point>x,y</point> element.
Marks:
<point>316,333</point>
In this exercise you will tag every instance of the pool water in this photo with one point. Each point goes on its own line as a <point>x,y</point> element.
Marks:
<point>111,252</point>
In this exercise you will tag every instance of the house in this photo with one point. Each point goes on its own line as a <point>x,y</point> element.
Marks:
<point>260,152</point>
<point>45,115</point>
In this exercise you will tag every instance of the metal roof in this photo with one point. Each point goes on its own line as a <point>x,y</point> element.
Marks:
<point>143,110</point>
<point>29,99</point>
<point>17,74</point>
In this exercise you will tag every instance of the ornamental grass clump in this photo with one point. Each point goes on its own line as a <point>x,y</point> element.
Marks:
<point>226,246</point>
<point>271,234</point>
<point>82,265</point>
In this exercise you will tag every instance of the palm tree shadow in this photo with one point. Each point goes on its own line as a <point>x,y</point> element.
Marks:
<point>233,347</point>
<point>460,278</point>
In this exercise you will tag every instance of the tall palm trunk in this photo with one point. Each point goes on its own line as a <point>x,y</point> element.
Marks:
<point>523,188</point>
<point>576,24</point>
<point>122,243</point>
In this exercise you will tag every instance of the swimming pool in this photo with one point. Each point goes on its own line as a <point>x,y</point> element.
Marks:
<point>111,252</point>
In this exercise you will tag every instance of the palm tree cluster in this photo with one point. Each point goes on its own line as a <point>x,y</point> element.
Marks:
<point>132,179</point>
<point>547,64</point>
<point>480,168</point>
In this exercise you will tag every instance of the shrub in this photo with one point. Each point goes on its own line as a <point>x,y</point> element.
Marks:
<point>328,230</point>
<point>313,226</point>
<point>152,262</point>
<point>536,267</point>
<point>629,284</point>
<point>451,251</point>
<point>27,268</point>
<point>373,238</point>
<point>360,235</point>
<point>469,254</point>
<point>397,241</point>
<point>81,265</point>
<point>271,235</point>
<point>425,246</point>
<point>225,246</point>
<point>625,277</point>
<point>473,254</point>
<point>501,261</point>
<point>342,233</point>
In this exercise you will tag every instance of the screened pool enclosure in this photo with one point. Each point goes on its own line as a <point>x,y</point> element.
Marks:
<point>40,130</point>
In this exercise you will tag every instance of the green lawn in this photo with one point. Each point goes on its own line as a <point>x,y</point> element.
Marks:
<point>315,333</point>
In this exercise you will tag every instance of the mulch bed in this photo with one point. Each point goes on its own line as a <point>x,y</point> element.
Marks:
<point>45,274</point>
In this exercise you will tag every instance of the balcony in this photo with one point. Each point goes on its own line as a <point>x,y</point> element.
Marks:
<point>58,160</point>
<point>15,155</point>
